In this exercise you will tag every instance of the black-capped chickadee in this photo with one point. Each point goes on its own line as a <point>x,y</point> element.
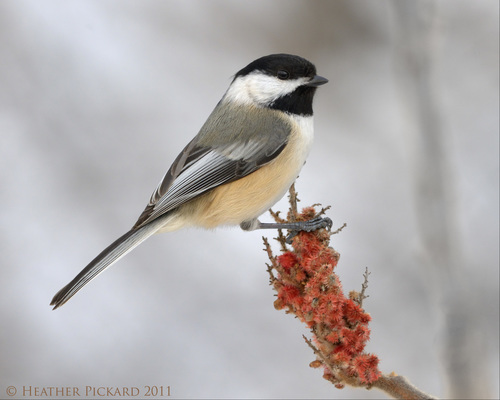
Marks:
<point>244,159</point>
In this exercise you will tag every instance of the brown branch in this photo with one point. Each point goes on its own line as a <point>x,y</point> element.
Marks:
<point>293,200</point>
<point>359,297</point>
<point>394,385</point>
<point>308,287</point>
<point>339,229</point>
<point>399,387</point>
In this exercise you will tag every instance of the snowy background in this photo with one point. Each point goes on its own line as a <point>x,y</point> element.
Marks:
<point>97,99</point>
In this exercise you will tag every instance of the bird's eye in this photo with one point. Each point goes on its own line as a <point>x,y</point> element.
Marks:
<point>283,75</point>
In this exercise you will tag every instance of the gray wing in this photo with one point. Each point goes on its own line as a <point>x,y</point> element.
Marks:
<point>219,154</point>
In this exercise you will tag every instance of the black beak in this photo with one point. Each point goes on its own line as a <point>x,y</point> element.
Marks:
<point>317,81</point>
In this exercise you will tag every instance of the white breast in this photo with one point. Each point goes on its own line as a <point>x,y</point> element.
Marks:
<point>306,136</point>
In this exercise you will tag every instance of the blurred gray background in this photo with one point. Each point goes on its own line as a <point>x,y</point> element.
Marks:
<point>97,99</point>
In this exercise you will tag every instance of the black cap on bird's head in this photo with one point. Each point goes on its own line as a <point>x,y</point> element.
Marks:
<point>295,66</point>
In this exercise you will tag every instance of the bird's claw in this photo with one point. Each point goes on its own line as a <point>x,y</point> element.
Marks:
<point>310,226</point>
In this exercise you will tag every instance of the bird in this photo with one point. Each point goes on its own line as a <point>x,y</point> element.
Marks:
<point>242,161</point>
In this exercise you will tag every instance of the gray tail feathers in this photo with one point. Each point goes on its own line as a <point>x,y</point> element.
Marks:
<point>105,259</point>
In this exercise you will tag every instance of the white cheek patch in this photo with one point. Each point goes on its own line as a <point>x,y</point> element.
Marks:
<point>258,88</point>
